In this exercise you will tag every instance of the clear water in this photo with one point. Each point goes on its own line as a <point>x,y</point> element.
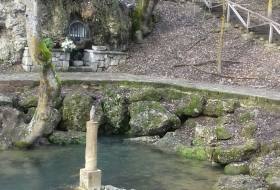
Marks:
<point>123,165</point>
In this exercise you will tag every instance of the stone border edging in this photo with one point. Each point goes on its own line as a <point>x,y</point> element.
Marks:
<point>272,95</point>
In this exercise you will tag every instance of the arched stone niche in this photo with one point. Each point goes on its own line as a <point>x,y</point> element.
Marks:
<point>78,31</point>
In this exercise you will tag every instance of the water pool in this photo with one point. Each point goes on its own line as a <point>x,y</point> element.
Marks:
<point>123,165</point>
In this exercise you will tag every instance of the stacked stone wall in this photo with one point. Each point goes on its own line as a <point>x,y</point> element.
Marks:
<point>60,60</point>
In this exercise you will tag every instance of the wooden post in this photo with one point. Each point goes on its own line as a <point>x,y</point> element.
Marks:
<point>269,15</point>
<point>270,34</point>
<point>248,21</point>
<point>269,9</point>
<point>228,13</point>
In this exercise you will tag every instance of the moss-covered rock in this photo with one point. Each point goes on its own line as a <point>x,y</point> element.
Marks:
<point>67,137</point>
<point>116,116</point>
<point>191,105</point>
<point>150,118</point>
<point>237,168</point>
<point>249,129</point>
<point>156,94</point>
<point>245,117</point>
<point>75,111</point>
<point>146,94</point>
<point>218,108</point>
<point>235,153</point>
<point>204,131</point>
<point>223,133</point>
<point>28,100</point>
<point>12,125</point>
<point>240,182</point>
<point>268,167</point>
<point>194,152</point>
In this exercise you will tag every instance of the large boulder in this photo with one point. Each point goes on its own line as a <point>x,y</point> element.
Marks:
<point>235,153</point>
<point>191,105</point>
<point>150,118</point>
<point>240,182</point>
<point>172,140</point>
<point>216,108</point>
<point>12,126</point>
<point>116,116</point>
<point>75,111</point>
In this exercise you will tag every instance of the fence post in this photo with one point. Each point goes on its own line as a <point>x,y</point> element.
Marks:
<point>270,33</point>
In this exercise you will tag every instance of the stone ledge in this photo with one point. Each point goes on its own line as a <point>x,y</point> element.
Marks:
<point>272,95</point>
<point>106,52</point>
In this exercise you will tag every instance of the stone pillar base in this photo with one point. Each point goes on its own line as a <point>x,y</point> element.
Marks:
<point>90,180</point>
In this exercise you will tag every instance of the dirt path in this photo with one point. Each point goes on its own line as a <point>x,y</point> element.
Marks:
<point>180,37</point>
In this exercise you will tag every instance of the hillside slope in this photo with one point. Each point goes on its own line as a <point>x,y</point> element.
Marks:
<point>181,38</point>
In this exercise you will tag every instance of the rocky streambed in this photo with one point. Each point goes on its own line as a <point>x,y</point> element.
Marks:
<point>239,133</point>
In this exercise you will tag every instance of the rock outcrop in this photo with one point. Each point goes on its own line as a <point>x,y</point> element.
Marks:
<point>151,118</point>
<point>75,111</point>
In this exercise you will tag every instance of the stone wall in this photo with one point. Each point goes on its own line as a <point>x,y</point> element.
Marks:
<point>97,59</point>
<point>60,60</point>
<point>101,59</point>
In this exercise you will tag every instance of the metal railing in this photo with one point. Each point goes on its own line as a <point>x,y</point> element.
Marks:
<point>247,21</point>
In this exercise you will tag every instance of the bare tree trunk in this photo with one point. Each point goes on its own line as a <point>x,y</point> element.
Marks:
<point>147,15</point>
<point>269,9</point>
<point>43,120</point>
<point>221,41</point>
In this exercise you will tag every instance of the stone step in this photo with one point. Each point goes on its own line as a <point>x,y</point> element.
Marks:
<point>81,69</point>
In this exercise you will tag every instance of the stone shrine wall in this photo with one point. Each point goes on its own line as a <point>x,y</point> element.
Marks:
<point>100,60</point>
<point>60,60</point>
<point>97,59</point>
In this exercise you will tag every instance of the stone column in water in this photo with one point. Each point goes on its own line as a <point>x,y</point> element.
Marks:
<point>90,176</point>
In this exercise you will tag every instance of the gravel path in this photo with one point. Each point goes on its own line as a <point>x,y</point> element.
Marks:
<point>180,37</point>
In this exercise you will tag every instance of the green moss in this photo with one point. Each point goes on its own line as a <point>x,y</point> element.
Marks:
<point>21,145</point>
<point>66,138</point>
<point>151,118</point>
<point>75,111</point>
<point>192,105</point>
<point>222,133</point>
<point>28,101</point>
<point>216,107</point>
<point>196,153</point>
<point>147,94</point>
<point>173,94</point>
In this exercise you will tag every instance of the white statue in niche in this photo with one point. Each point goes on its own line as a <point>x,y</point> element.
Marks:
<point>92,113</point>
